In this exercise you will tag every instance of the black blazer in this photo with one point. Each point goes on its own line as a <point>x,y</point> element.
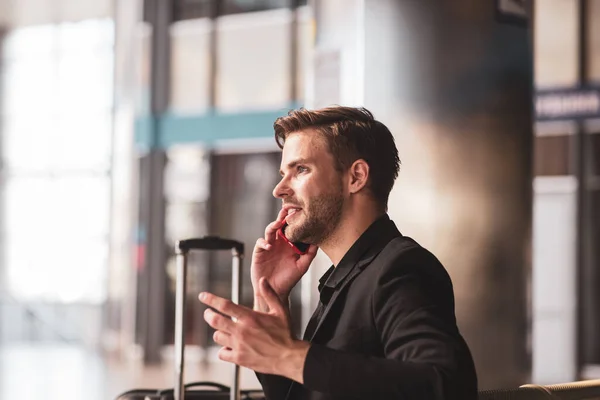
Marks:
<point>385,328</point>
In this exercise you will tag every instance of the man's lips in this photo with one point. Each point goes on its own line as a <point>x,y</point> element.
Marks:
<point>291,210</point>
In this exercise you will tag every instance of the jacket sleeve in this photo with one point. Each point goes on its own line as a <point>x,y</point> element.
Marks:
<point>275,387</point>
<point>424,356</point>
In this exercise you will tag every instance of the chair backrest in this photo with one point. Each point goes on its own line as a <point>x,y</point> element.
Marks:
<point>582,390</point>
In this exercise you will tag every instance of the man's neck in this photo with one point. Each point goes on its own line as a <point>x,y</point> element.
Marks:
<point>347,233</point>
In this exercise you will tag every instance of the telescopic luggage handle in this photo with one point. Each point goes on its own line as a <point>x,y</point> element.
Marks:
<point>182,248</point>
<point>210,243</point>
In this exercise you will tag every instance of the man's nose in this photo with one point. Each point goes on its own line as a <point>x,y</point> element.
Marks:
<point>282,189</point>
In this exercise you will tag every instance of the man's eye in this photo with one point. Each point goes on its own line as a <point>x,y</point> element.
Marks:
<point>300,168</point>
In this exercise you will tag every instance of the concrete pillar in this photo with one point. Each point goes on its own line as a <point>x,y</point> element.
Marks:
<point>453,83</point>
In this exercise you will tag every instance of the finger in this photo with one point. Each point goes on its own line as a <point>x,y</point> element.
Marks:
<point>223,338</point>
<point>270,296</point>
<point>312,251</point>
<point>218,321</point>
<point>272,228</point>
<point>222,305</point>
<point>226,354</point>
<point>281,215</point>
<point>305,260</point>
<point>262,244</point>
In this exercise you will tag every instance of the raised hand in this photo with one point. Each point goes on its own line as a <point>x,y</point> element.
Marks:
<point>261,341</point>
<point>274,260</point>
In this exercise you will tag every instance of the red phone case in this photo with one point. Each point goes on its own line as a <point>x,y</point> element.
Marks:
<point>291,244</point>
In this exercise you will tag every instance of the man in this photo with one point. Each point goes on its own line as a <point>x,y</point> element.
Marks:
<point>385,326</point>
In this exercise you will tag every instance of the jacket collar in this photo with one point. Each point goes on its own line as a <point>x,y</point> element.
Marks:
<point>362,252</point>
<point>360,255</point>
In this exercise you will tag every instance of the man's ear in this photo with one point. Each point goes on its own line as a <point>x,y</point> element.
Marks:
<point>359,175</point>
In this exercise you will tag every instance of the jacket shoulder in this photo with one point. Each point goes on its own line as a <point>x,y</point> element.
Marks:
<point>404,256</point>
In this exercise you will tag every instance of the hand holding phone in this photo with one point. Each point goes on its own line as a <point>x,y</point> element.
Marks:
<point>280,261</point>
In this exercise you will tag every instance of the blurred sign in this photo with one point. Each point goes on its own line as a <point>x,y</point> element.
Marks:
<point>567,104</point>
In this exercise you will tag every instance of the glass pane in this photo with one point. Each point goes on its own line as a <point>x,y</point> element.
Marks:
<point>27,142</point>
<point>27,208</point>
<point>56,232</point>
<point>66,208</point>
<point>57,269</point>
<point>142,61</point>
<point>57,130</point>
<point>257,74</point>
<point>29,87</point>
<point>85,82</point>
<point>86,36</point>
<point>71,142</point>
<point>190,66</point>
<point>555,43</point>
<point>83,141</point>
<point>30,42</point>
<point>81,205</point>
<point>305,48</point>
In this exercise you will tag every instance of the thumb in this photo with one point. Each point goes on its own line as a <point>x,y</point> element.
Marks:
<point>269,296</point>
<point>312,251</point>
<point>305,260</point>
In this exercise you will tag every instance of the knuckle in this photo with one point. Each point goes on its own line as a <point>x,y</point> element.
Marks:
<point>227,307</point>
<point>210,317</point>
<point>248,325</point>
<point>241,333</point>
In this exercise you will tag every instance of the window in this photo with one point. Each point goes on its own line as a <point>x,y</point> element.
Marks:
<point>56,127</point>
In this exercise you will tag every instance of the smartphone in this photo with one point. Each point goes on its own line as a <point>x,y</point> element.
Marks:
<point>298,247</point>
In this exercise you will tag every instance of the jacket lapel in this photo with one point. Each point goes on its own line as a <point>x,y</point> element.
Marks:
<point>383,237</point>
<point>357,269</point>
<point>384,234</point>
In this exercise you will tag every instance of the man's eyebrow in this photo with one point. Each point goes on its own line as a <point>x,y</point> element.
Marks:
<point>293,163</point>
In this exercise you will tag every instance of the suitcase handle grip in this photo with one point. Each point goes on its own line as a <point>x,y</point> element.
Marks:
<point>210,243</point>
<point>212,385</point>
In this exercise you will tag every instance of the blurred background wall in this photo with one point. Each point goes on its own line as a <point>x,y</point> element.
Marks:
<point>127,125</point>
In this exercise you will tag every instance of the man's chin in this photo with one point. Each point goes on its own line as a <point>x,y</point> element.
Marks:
<point>294,235</point>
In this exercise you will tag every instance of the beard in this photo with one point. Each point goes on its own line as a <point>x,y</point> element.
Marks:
<point>321,218</point>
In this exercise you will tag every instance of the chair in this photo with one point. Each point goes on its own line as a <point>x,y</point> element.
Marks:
<point>582,390</point>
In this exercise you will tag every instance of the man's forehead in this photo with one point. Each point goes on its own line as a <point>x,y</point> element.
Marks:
<point>305,149</point>
<point>303,143</point>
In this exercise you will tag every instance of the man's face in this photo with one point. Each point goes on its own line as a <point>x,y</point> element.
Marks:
<point>311,188</point>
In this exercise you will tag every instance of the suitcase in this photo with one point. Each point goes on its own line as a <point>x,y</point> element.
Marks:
<point>198,390</point>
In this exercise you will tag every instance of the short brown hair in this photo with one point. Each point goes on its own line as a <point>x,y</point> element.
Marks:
<point>351,134</point>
